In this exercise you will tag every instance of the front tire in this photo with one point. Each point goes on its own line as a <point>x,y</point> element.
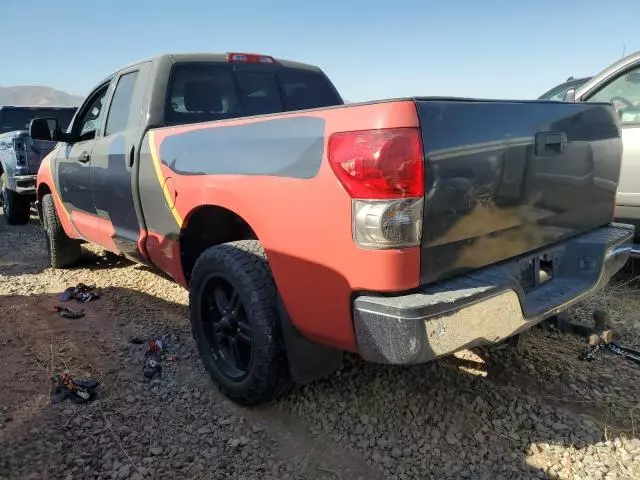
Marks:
<point>16,208</point>
<point>235,322</point>
<point>64,252</point>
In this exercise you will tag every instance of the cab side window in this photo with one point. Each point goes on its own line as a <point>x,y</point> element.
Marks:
<point>87,123</point>
<point>118,117</point>
<point>624,93</point>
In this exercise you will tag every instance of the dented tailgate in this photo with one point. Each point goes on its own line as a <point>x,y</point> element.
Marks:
<point>506,178</point>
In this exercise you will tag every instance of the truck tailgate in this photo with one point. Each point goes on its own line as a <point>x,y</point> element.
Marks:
<point>506,178</point>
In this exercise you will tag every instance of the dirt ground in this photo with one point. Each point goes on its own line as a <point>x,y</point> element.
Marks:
<point>497,413</point>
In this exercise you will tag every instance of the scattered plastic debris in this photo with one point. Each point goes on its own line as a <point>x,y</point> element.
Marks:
<point>80,389</point>
<point>81,293</point>
<point>590,352</point>
<point>67,312</point>
<point>155,353</point>
<point>152,358</point>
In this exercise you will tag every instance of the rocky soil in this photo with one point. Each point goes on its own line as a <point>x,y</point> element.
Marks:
<point>492,413</point>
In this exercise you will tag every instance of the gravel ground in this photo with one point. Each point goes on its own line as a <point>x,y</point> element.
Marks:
<point>492,413</point>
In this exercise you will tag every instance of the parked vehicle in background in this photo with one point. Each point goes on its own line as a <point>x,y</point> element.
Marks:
<point>557,92</point>
<point>20,157</point>
<point>402,230</point>
<point>620,84</point>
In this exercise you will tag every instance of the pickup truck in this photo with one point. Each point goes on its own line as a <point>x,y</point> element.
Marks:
<point>401,230</point>
<point>619,84</point>
<point>20,157</point>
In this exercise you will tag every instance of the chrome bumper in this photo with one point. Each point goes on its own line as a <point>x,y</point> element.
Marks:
<point>25,184</point>
<point>487,305</point>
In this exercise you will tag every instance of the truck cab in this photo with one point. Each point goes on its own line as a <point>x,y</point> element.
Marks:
<point>20,157</point>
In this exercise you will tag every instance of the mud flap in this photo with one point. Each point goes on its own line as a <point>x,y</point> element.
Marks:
<point>308,361</point>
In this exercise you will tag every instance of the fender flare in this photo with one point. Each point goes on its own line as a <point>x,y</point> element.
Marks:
<point>38,202</point>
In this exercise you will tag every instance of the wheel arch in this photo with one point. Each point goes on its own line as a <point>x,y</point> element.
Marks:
<point>206,226</point>
<point>42,190</point>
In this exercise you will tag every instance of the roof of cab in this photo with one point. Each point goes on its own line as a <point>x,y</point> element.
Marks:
<point>212,57</point>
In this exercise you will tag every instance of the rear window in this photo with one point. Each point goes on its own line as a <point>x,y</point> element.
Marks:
<point>12,119</point>
<point>206,92</point>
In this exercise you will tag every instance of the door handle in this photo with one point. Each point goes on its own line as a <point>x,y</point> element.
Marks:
<point>550,143</point>
<point>84,158</point>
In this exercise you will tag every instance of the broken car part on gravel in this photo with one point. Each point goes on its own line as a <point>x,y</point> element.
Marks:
<point>151,364</point>
<point>155,352</point>
<point>81,293</point>
<point>67,312</point>
<point>80,389</point>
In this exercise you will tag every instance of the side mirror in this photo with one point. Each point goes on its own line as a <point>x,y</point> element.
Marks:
<point>45,129</point>
<point>569,95</point>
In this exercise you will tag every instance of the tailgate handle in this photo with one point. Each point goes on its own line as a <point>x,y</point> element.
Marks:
<point>550,143</point>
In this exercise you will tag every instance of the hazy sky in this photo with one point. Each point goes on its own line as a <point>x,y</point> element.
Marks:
<point>370,49</point>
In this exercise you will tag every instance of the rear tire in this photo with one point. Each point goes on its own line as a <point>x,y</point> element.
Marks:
<point>64,252</point>
<point>16,208</point>
<point>235,322</point>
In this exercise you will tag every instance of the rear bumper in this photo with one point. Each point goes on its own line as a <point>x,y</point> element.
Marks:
<point>25,184</point>
<point>487,305</point>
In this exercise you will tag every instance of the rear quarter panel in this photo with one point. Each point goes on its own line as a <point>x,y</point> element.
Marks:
<point>273,172</point>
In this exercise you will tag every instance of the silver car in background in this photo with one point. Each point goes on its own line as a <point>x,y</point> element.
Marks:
<point>619,84</point>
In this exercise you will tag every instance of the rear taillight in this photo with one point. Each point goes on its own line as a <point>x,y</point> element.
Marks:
<point>383,172</point>
<point>379,163</point>
<point>21,151</point>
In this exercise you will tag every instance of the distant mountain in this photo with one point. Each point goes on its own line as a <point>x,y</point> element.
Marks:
<point>37,96</point>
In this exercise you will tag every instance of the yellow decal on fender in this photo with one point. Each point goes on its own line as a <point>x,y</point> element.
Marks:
<point>163,185</point>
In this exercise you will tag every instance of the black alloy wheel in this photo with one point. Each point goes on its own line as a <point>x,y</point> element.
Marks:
<point>226,327</point>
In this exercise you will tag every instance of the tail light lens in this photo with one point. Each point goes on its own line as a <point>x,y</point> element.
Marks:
<point>379,163</point>
<point>383,172</point>
<point>382,224</point>
<point>20,149</point>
